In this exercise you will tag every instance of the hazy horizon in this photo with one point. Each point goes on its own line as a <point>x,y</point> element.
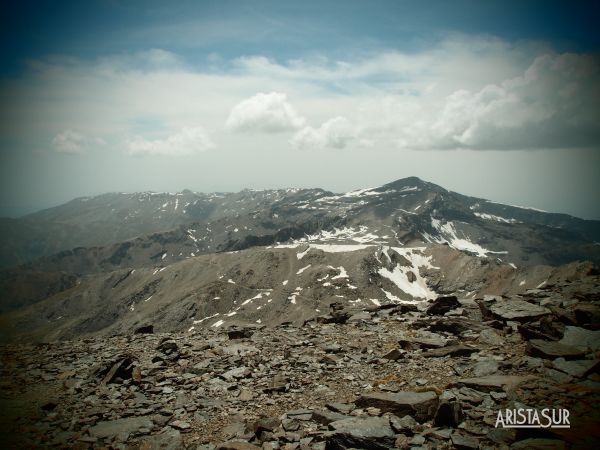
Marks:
<point>493,100</point>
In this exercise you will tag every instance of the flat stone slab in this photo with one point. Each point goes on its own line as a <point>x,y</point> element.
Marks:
<point>461,441</point>
<point>519,310</point>
<point>578,368</point>
<point>452,350</point>
<point>357,432</point>
<point>581,338</point>
<point>538,444</point>
<point>490,337</point>
<point>420,405</point>
<point>114,427</point>
<point>412,343</point>
<point>237,445</point>
<point>325,417</point>
<point>552,349</point>
<point>494,382</point>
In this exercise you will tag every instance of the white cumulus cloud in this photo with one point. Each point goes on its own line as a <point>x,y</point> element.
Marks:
<point>553,104</point>
<point>337,132</point>
<point>270,113</point>
<point>69,141</point>
<point>186,142</point>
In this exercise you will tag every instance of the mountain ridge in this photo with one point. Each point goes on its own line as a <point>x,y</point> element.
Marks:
<point>378,224</point>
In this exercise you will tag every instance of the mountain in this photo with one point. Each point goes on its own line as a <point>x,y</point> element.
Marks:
<point>409,240</point>
<point>111,218</point>
<point>286,283</point>
<point>390,317</point>
<point>135,228</point>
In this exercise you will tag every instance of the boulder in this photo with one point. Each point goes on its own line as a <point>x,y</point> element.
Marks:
<point>587,315</point>
<point>367,433</point>
<point>442,305</point>
<point>487,366</point>
<point>490,337</point>
<point>405,424</point>
<point>128,425</point>
<point>448,414</point>
<point>551,350</point>
<point>581,338</point>
<point>279,383</point>
<point>144,329</point>
<point>462,441</point>
<point>239,333</point>
<point>169,439</point>
<point>578,368</point>
<point>394,354</point>
<point>325,417</point>
<point>121,368</point>
<point>360,316</point>
<point>517,310</point>
<point>421,405</point>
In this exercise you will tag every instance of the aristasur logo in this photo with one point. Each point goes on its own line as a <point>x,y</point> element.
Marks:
<point>533,418</point>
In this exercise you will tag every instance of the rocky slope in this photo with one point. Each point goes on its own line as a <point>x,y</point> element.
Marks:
<point>405,213</point>
<point>112,218</point>
<point>429,376</point>
<point>269,286</point>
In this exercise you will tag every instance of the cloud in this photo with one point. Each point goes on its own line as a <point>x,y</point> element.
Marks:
<point>269,113</point>
<point>553,104</point>
<point>459,93</point>
<point>334,133</point>
<point>187,142</point>
<point>72,142</point>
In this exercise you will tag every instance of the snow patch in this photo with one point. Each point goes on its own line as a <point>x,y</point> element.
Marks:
<point>256,297</point>
<point>206,318</point>
<point>302,254</point>
<point>342,274</point>
<point>329,248</point>
<point>496,218</point>
<point>517,206</point>
<point>395,299</point>
<point>303,269</point>
<point>399,274</point>
<point>448,234</point>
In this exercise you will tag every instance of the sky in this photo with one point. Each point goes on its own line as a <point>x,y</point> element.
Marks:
<point>493,99</point>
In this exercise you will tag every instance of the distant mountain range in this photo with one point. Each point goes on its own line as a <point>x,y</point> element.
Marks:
<point>112,262</point>
<point>404,212</point>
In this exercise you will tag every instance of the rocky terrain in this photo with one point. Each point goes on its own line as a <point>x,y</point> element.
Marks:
<point>427,375</point>
<point>404,316</point>
<point>269,286</point>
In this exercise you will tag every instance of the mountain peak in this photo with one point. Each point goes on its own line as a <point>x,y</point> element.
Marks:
<point>412,181</point>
